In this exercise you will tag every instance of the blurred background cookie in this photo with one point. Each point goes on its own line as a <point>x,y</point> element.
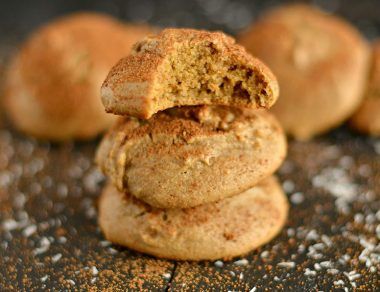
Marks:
<point>367,118</point>
<point>188,156</point>
<point>52,87</point>
<point>187,67</point>
<point>320,61</point>
<point>224,229</point>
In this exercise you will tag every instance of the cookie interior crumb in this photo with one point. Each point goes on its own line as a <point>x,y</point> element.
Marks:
<point>204,72</point>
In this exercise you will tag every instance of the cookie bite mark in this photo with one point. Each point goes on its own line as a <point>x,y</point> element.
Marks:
<point>187,67</point>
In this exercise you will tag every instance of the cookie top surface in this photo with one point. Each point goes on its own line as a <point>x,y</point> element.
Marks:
<point>184,157</point>
<point>187,67</point>
<point>224,229</point>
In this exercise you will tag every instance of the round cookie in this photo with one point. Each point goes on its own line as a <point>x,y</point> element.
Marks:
<point>367,118</point>
<point>320,62</point>
<point>52,87</point>
<point>184,157</point>
<point>223,229</point>
<point>187,67</point>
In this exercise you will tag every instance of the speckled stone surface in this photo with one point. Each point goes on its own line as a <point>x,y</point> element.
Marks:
<point>49,238</point>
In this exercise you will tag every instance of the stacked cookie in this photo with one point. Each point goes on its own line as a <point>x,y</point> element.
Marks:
<point>190,164</point>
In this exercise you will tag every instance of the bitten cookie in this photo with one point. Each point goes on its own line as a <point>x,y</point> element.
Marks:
<point>320,61</point>
<point>225,229</point>
<point>188,156</point>
<point>52,87</point>
<point>187,67</point>
<point>367,118</point>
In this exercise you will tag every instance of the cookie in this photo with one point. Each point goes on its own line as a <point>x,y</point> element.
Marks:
<point>187,67</point>
<point>188,156</point>
<point>320,61</point>
<point>367,118</point>
<point>52,87</point>
<point>223,229</point>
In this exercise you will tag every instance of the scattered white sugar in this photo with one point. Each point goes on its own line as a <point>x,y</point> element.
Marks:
<point>288,186</point>
<point>338,283</point>
<point>105,243</point>
<point>241,276</point>
<point>326,240</point>
<point>219,264</point>
<point>276,278</point>
<point>232,273</point>
<point>297,198</point>
<point>112,250</point>
<point>56,258</point>
<point>326,264</point>
<point>370,219</point>
<point>309,272</point>
<point>242,262</point>
<point>264,254</point>
<point>352,276</point>
<point>93,280</point>
<point>287,265</point>
<point>317,267</point>
<point>62,239</point>
<point>94,270</point>
<point>44,278</point>
<point>332,271</point>
<point>312,235</point>
<point>253,289</point>
<point>71,282</point>
<point>318,246</point>
<point>301,248</point>
<point>10,224</point>
<point>44,246</point>
<point>167,276</point>
<point>336,181</point>
<point>372,269</point>
<point>28,231</point>
<point>359,218</point>
<point>92,180</point>
<point>291,232</point>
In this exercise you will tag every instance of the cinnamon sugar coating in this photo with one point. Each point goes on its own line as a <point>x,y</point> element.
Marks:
<point>189,156</point>
<point>223,229</point>
<point>187,67</point>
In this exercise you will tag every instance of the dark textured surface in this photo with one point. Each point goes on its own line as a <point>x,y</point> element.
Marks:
<point>48,194</point>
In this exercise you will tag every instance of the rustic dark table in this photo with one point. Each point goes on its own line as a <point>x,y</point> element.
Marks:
<point>49,238</point>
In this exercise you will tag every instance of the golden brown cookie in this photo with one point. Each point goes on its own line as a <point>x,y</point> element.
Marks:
<point>320,61</point>
<point>225,229</point>
<point>188,156</point>
<point>187,67</point>
<point>367,118</point>
<point>52,89</point>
